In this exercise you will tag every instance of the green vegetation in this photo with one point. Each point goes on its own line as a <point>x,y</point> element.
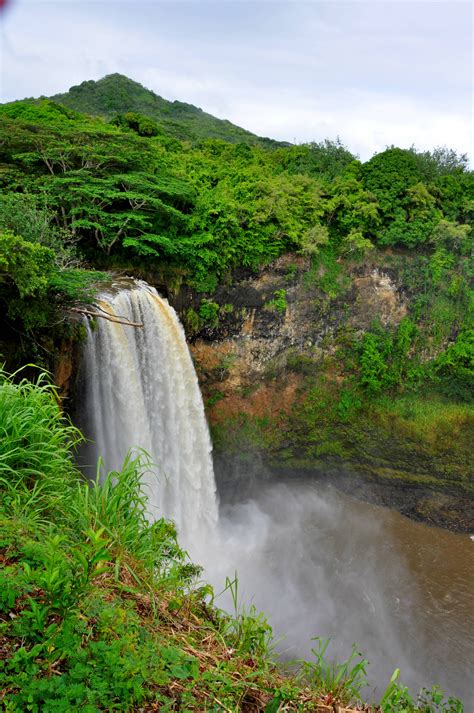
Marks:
<point>126,191</point>
<point>209,312</point>
<point>102,610</point>
<point>39,267</point>
<point>105,612</point>
<point>129,104</point>
<point>161,188</point>
<point>279,301</point>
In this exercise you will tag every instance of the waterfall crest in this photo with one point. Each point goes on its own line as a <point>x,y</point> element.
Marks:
<point>141,390</point>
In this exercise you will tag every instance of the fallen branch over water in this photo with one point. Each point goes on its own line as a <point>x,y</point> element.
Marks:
<point>109,317</point>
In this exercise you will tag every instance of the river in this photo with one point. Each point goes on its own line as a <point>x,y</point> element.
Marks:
<point>321,563</point>
<point>317,562</point>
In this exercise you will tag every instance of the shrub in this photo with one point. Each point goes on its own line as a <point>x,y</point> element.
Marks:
<point>209,312</point>
<point>279,301</point>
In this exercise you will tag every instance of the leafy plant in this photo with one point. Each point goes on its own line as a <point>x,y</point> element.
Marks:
<point>278,302</point>
<point>209,312</point>
<point>344,681</point>
<point>25,267</point>
<point>398,699</point>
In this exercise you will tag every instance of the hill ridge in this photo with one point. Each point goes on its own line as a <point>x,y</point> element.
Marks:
<point>118,94</point>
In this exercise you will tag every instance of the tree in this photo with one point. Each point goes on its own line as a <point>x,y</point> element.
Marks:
<point>23,214</point>
<point>25,271</point>
<point>350,207</point>
<point>326,159</point>
<point>453,236</point>
<point>441,161</point>
<point>388,175</point>
<point>26,267</point>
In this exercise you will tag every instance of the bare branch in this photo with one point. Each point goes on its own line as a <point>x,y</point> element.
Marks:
<point>109,317</point>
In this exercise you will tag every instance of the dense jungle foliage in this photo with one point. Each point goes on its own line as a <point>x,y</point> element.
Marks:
<point>83,192</point>
<point>104,611</point>
<point>101,610</point>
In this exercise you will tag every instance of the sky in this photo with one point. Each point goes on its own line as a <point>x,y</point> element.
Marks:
<point>372,73</point>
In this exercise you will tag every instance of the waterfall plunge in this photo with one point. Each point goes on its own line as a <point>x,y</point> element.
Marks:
<point>317,562</point>
<point>141,390</point>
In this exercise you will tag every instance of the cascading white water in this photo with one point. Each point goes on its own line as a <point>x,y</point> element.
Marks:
<point>141,390</point>
<point>317,562</point>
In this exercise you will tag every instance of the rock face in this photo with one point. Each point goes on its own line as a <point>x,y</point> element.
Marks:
<point>278,330</point>
<point>282,323</point>
<point>377,297</point>
<point>259,329</point>
<point>267,363</point>
<point>65,369</point>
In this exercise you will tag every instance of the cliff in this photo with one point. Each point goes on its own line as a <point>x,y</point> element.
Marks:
<point>278,385</point>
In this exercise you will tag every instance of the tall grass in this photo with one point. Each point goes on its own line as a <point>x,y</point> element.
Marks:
<point>247,628</point>
<point>115,504</point>
<point>36,448</point>
<point>342,681</point>
<point>98,605</point>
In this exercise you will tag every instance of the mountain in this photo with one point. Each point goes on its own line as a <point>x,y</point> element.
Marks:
<point>117,94</point>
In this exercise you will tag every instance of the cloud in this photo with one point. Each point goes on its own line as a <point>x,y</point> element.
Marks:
<point>373,73</point>
<point>365,123</point>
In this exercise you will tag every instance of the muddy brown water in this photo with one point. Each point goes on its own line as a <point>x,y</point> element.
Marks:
<point>321,563</point>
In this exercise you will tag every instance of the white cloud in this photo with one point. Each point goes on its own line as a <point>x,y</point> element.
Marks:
<point>366,124</point>
<point>373,73</point>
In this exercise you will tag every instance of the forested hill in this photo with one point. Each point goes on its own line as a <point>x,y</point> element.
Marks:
<point>116,94</point>
<point>80,192</point>
<point>349,287</point>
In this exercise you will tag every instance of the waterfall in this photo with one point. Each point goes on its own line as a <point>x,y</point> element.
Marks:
<point>141,390</point>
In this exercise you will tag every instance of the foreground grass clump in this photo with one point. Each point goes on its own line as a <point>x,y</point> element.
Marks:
<point>102,610</point>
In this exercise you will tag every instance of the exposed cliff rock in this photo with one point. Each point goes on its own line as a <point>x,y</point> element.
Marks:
<point>259,339</point>
<point>277,335</point>
<point>65,369</point>
<point>267,362</point>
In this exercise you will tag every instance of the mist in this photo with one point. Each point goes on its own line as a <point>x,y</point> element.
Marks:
<point>321,564</point>
<point>318,562</point>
